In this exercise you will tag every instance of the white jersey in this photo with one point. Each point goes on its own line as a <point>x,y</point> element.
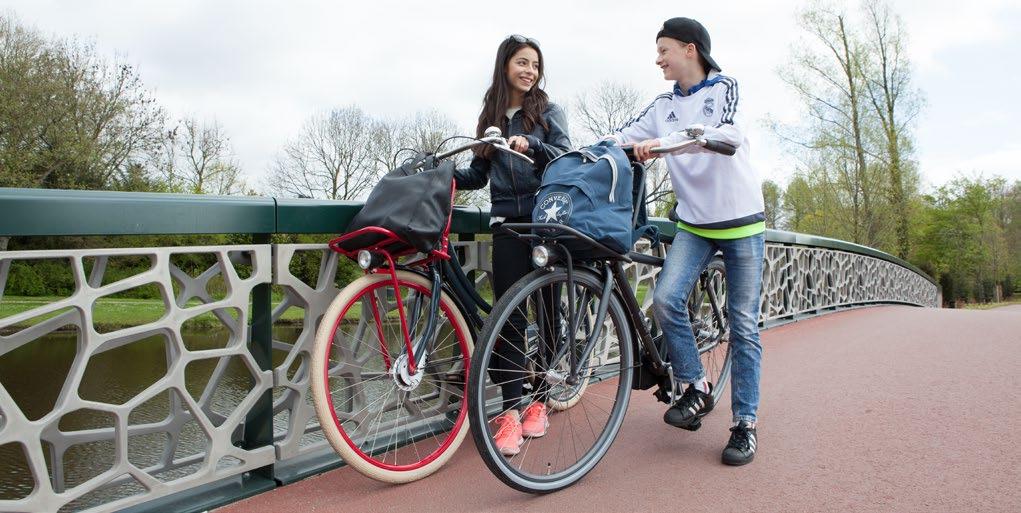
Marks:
<point>713,191</point>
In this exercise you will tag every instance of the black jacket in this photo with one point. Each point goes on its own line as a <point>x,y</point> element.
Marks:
<point>513,182</point>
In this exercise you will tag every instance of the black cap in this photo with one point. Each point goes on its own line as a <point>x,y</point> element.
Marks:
<point>687,30</point>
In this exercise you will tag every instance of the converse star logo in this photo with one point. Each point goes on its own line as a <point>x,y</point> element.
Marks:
<point>552,212</point>
<point>671,118</point>
<point>556,208</point>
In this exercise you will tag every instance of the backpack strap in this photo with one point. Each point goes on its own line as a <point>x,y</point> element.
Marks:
<point>649,231</point>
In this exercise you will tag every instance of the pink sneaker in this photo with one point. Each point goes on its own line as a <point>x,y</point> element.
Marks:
<point>508,434</point>
<point>534,421</point>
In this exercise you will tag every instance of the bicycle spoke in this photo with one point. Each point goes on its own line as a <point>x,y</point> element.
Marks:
<point>397,422</point>
<point>587,411</point>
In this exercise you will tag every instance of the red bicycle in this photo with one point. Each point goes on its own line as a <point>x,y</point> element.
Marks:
<point>391,358</point>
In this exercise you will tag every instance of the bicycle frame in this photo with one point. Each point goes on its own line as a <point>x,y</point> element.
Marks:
<point>392,247</point>
<point>383,247</point>
<point>611,271</point>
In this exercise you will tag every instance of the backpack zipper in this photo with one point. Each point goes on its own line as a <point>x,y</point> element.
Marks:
<point>613,169</point>
<point>587,155</point>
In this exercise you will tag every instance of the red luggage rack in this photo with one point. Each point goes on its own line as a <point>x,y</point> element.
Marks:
<point>388,244</point>
<point>391,246</point>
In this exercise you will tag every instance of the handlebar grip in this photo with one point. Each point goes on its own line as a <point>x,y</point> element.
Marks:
<point>720,147</point>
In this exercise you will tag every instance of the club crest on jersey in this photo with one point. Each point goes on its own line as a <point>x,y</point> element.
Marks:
<point>556,208</point>
<point>707,107</point>
<point>671,118</point>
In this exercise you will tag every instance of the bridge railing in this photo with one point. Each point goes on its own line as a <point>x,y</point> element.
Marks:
<point>164,411</point>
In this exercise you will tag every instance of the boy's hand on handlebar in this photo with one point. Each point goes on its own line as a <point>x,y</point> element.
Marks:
<point>643,150</point>
<point>518,143</point>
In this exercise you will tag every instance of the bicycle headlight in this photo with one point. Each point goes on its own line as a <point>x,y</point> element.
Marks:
<point>542,256</point>
<point>365,259</point>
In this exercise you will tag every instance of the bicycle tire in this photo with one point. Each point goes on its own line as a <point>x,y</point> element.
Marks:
<point>618,374</point>
<point>345,439</point>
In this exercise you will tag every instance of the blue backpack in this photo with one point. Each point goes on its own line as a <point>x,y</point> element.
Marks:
<point>593,190</point>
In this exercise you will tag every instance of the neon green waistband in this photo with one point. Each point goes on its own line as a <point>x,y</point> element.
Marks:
<point>738,232</point>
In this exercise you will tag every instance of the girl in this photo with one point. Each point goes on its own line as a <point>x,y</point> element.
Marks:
<point>515,103</point>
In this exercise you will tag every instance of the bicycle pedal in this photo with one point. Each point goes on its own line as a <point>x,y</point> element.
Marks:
<point>663,395</point>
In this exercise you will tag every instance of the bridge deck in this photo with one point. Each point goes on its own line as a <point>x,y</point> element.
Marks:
<point>879,409</point>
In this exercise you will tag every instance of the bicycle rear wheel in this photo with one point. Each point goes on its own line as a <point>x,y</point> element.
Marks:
<point>709,325</point>
<point>383,421</point>
<point>579,436</point>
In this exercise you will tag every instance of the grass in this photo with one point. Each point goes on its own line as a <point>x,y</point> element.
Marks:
<point>989,306</point>
<point>117,313</point>
<point>114,313</point>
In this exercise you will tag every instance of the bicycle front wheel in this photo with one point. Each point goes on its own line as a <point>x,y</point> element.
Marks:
<point>383,420</point>
<point>530,318</point>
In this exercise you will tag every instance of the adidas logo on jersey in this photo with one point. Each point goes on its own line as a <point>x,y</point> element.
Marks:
<point>671,118</point>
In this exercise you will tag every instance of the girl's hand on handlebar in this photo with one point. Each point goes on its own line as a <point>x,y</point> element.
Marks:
<point>643,150</point>
<point>518,143</point>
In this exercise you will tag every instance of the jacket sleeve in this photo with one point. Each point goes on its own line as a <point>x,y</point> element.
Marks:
<point>642,127</point>
<point>729,133</point>
<point>475,176</point>
<point>727,129</point>
<point>557,139</point>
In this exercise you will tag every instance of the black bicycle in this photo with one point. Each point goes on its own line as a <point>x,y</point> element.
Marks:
<point>588,343</point>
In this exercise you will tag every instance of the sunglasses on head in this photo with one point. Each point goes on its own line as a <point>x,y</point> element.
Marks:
<point>522,39</point>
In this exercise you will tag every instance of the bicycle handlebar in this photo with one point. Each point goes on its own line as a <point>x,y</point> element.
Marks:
<point>494,138</point>
<point>720,147</point>
<point>696,136</point>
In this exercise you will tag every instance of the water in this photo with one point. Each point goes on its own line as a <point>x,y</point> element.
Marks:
<point>35,374</point>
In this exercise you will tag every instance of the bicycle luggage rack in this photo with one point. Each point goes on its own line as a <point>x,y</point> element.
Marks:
<point>558,233</point>
<point>391,246</point>
<point>385,242</point>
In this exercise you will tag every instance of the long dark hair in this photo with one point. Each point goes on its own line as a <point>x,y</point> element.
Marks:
<point>497,98</point>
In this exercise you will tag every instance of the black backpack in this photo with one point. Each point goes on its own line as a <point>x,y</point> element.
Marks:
<point>414,204</point>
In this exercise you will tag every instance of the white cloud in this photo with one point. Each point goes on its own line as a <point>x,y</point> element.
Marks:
<point>1005,162</point>
<point>261,68</point>
<point>936,26</point>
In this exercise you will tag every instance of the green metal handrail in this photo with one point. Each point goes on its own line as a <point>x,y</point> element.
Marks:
<point>32,212</point>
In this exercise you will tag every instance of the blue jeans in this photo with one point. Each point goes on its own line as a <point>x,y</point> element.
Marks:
<point>688,257</point>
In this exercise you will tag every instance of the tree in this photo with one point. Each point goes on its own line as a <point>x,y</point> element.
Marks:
<point>69,118</point>
<point>426,131</point>
<point>138,178</point>
<point>963,238</point>
<point>207,165</point>
<point>26,86</point>
<point>834,144</point>
<point>854,146</point>
<point>808,206</point>
<point>332,158</point>
<point>606,108</point>
<point>603,109</point>
<point>887,73</point>
<point>396,139</point>
<point>773,196</point>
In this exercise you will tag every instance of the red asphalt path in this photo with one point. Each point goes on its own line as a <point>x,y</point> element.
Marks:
<point>880,409</point>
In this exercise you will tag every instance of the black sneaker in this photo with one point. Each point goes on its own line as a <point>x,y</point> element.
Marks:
<point>741,447</point>
<point>688,411</point>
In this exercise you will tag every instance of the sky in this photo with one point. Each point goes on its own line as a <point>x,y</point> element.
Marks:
<point>261,69</point>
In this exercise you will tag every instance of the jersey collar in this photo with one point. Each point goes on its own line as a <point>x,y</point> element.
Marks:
<point>711,79</point>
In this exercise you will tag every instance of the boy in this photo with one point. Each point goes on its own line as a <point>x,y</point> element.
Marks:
<point>720,208</point>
